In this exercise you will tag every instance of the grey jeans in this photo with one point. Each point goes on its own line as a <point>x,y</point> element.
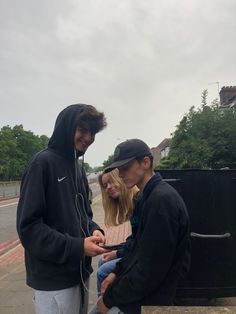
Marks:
<point>66,301</point>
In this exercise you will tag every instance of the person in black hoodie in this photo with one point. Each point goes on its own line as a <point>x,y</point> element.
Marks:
<point>54,217</point>
<point>150,271</point>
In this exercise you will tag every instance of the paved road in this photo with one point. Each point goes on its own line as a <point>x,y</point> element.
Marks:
<point>8,217</point>
<point>95,189</point>
<point>8,220</point>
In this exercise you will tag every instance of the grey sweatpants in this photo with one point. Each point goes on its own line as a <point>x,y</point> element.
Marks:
<point>66,301</point>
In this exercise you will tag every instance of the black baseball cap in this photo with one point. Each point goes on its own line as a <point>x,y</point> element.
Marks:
<point>128,151</point>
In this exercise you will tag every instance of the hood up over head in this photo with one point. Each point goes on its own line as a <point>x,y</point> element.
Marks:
<point>62,139</point>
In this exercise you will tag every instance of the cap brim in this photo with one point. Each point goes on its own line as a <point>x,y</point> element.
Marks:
<point>118,164</point>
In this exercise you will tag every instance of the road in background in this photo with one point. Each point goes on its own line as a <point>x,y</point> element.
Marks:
<point>8,220</point>
<point>8,208</point>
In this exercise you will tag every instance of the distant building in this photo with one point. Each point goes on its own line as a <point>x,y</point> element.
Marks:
<point>228,97</point>
<point>161,151</point>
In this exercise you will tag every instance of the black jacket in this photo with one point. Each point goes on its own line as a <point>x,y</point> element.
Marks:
<point>54,214</point>
<point>149,274</point>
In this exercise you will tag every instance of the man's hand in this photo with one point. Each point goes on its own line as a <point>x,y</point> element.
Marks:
<point>91,246</point>
<point>110,278</point>
<point>98,233</point>
<point>109,256</point>
<point>101,306</point>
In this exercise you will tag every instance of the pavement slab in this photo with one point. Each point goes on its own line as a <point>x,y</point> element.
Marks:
<point>188,310</point>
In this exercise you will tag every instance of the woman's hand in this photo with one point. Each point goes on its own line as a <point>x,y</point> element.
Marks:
<point>109,256</point>
<point>98,233</point>
<point>109,280</point>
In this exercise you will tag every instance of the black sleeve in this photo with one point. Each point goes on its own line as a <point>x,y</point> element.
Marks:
<point>156,250</point>
<point>127,245</point>
<point>37,237</point>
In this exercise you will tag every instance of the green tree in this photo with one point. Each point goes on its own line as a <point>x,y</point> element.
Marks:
<point>204,138</point>
<point>97,168</point>
<point>17,147</point>
<point>204,97</point>
<point>85,165</point>
<point>165,163</point>
<point>108,161</point>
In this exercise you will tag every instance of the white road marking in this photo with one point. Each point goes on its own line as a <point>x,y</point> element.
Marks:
<point>8,204</point>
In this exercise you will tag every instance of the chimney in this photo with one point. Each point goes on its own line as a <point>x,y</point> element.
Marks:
<point>226,94</point>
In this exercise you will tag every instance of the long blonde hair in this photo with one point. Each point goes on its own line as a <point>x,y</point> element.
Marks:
<point>117,210</point>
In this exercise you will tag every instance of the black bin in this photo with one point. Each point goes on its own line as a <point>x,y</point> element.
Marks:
<point>210,197</point>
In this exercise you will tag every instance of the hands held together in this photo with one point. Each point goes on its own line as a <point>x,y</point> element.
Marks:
<point>91,244</point>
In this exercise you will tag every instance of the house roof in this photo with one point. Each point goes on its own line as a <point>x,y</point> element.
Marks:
<point>163,144</point>
<point>227,95</point>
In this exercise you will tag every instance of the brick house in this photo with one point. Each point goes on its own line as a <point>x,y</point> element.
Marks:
<point>228,97</point>
<point>161,151</point>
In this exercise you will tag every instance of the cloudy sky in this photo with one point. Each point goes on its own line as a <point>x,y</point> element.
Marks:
<point>143,63</point>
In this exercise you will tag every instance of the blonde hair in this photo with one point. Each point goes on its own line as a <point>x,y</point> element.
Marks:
<point>117,210</point>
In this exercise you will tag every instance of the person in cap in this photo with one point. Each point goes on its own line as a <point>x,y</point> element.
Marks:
<point>54,217</point>
<point>149,273</point>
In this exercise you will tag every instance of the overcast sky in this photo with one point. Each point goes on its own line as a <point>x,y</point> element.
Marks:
<point>144,63</point>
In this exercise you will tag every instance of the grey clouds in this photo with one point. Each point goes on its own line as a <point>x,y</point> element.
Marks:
<point>143,63</point>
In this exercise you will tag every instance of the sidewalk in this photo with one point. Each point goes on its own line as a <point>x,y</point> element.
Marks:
<point>16,297</point>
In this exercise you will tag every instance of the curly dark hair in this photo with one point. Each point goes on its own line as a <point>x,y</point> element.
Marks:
<point>91,119</point>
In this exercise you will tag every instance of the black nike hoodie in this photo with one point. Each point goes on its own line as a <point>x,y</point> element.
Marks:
<point>54,214</point>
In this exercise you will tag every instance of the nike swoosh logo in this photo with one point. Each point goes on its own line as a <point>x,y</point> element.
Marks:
<point>60,179</point>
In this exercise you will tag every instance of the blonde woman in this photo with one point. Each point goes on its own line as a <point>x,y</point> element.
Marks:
<point>118,203</point>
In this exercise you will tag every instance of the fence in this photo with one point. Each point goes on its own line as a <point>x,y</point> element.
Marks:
<point>211,202</point>
<point>9,189</point>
